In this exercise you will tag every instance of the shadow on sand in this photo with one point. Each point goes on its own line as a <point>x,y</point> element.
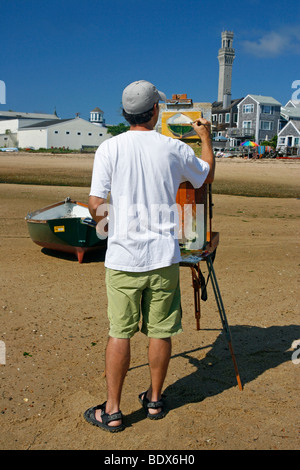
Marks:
<point>97,256</point>
<point>256,349</point>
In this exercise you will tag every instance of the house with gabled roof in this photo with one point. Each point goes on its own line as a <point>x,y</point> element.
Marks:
<point>224,115</point>
<point>12,121</point>
<point>289,112</point>
<point>289,138</point>
<point>259,116</point>
<point>289,128</point>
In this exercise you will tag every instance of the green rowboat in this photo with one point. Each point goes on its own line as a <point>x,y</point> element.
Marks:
<point>65,226</point>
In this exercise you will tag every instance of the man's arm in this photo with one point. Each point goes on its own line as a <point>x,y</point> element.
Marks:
<point>94,204</point>
<point>202,127</point>
<point>99,213</point>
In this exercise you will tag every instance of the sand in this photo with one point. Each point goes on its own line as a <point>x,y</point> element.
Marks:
<point>54,328</point>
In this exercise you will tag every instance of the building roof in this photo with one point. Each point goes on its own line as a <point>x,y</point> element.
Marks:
<point>295,124</point>
<point>97,110</point>
<point>178,99</point>
<point>18,115</point>
<point>43,124</point>
<point>290,112</point>
<point>267,100</point>
<point>218,105</point>
<point>293,104</point>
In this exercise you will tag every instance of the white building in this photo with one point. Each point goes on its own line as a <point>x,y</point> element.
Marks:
<point>68,133</point>
<point>11,122</point>
<point>36,131</point>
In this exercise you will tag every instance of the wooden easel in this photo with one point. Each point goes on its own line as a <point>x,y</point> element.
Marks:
<point>207,254</point>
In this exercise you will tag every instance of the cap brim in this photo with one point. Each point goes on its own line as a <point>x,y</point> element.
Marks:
<point>162,96</point>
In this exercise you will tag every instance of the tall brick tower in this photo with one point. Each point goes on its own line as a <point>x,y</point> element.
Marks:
<point>226,57</point>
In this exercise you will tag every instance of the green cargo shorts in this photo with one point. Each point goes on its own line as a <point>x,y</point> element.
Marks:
<point>152,297</point>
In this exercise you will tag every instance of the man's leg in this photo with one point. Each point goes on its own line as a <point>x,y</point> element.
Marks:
<point>117,361</point>
<point>159,354</point>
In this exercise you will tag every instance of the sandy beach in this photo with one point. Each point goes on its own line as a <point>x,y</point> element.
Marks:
<point>54,324</point>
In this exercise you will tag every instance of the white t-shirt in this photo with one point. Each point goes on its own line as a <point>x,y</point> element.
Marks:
<point>142,171</point>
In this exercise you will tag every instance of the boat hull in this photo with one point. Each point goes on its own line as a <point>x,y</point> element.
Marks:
<point>66,234</point>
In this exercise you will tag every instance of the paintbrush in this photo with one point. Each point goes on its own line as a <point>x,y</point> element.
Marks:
<point>200,124</point>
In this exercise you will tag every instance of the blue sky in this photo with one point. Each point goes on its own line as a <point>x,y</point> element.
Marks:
<point>74,55</point>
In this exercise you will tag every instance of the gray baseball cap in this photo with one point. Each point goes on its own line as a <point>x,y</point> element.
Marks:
<point>140,96</point>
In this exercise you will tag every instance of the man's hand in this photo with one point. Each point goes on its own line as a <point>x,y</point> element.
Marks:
<point>202,127</point>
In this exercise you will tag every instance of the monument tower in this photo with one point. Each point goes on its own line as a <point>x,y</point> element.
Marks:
<point>226,57</point>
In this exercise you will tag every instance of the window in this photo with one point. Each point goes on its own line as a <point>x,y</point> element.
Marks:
<point>248,108</point>
<point>296,141</point>
<point>235,118</point>
<point>220,118</point>
<point>78,133</point>
<point>247,124</point>
<point>55,132</point>
<point>89,133</point>
<point>100,135</point>
<point>281,140</point>
<point>67,132</point>
<point>227,117</point>
<point>267,109</point>
<point>266,125</point>
<point>214,118</point>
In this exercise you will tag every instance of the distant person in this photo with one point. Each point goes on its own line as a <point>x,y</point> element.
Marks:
<point>142,169</point>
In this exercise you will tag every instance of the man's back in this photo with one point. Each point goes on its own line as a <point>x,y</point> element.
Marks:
<point>143,170</point>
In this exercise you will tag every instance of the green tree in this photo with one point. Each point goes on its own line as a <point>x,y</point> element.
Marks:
<point>119,129</point>
<point>272,142</point>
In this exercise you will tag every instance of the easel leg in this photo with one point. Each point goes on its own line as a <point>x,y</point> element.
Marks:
<point>223,317</point>
<point>196,286</point>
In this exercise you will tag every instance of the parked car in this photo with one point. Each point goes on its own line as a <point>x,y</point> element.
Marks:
<point>9,149</point>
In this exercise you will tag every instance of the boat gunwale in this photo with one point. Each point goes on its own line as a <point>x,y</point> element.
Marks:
<point>29,217</point>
